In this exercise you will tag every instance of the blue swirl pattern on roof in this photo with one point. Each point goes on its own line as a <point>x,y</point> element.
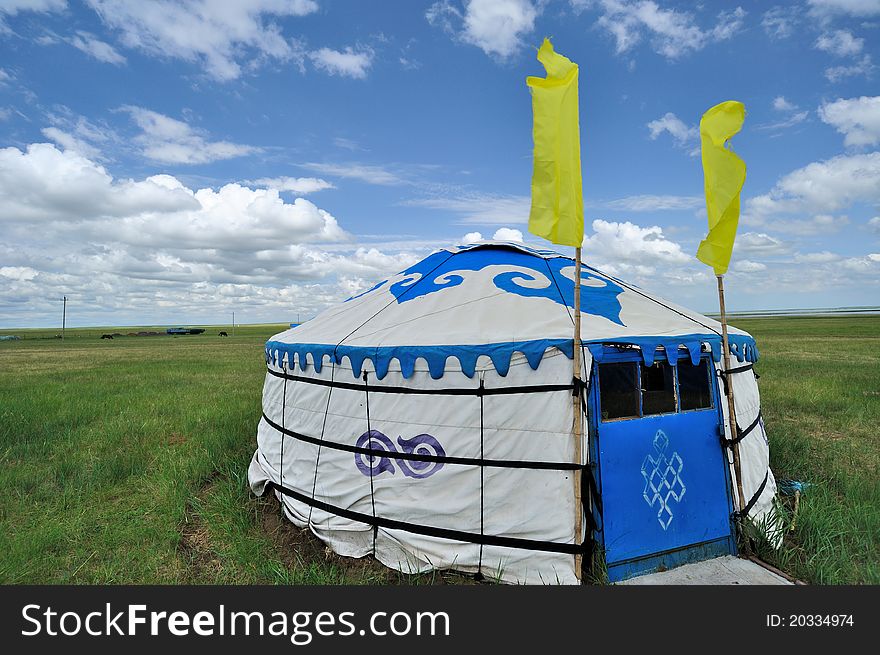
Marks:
<point>442,270</point>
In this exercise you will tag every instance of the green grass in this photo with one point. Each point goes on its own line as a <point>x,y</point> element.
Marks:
<point>124,461</point>
<point>820,394</point>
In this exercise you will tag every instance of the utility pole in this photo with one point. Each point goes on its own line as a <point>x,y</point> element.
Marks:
<point>233,323</point>
<point>63,316</point>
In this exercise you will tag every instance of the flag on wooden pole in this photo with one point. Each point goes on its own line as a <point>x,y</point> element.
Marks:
<point>557,212</point>
<point>724,175</point>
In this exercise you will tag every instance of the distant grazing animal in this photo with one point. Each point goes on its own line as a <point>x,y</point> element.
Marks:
<point>106,336</point>
<point>223,334</point>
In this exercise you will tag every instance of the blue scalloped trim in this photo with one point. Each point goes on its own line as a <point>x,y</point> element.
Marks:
<point>435,356</point>
<point>741,346</point>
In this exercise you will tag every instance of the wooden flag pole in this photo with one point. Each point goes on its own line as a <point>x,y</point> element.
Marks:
<point>731,415</point>
<point>578,416</point>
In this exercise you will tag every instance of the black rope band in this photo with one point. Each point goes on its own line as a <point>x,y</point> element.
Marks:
<point>589,480</point>
<point>593,488</point>
<point>473,461</point>
<point>476,391</point>
<point>431,531</point>
<point>738,369</point>
<point>369,431</point>
<point>482,480</point>
<point>740,433</point>
<point>748,508</point>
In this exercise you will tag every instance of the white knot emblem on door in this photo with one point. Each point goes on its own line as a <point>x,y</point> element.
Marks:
<point>663,481</point>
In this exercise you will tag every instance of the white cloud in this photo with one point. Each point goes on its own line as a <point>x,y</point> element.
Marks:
<point>840,43</point>
<point>71,142</point>
<point>494,26</point>
<point>74,132</point>
<point>780,22</point>
<point>802,277</point>
<point>347,144</point>
<point>366,261</point>
<point>781,104</point>
<point>471,237</point>
<point>508,234</point>
<point>18,272</point>
<point>863,66</point>
<point>758,244</point>
<point>672,33</point>
<point>685,136</point>
<point>823,186</point>
<point>363,172</point>
<point>820,224</point>
<point>795,117</point>
<point>479,208</point>
<point>868,265</point>
<point>874,224</point>
<point>13,7</point>
<point>170,141</point>
<point>648,203</point>
<point>823,257</point>
<point>728,25</point>
<point>96,48</point>
<point>858,8</point>
<point>747,266</point>
<point>347,63</point>
<point>129,251</point>
<point>645,256</point>
<point>629,243</point>
<point>43,184</point>
<point>858,119</point>
<point>791,121</point>
<point>302,185</point>
<point>675,126</point>
<point>222,37</point>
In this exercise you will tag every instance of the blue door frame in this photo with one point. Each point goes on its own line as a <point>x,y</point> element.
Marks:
<point>647,524</point>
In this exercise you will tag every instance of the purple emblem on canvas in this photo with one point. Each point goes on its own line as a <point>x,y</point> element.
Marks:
<point>421,444</point>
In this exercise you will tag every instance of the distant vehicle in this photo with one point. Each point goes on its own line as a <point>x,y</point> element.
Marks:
<point>184,330</point>
<point>293,325</point>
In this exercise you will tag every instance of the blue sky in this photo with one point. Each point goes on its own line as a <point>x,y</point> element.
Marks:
<point>172,162</point>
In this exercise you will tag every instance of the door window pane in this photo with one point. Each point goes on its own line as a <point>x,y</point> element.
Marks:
<point>658,389</point>
<point>619,390</point>
<point>693,385</point>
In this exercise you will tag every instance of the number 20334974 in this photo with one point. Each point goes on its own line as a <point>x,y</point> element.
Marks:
<point>810,621</point>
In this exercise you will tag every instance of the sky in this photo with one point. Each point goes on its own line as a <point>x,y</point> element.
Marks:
<point>174,162</point>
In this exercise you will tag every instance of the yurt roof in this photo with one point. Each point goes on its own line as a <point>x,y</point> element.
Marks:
<point>495,299</point>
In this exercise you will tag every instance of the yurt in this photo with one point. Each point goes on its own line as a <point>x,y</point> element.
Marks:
<point>429,422</point>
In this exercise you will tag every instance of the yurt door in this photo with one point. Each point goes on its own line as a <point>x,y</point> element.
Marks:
<point>660,469</point>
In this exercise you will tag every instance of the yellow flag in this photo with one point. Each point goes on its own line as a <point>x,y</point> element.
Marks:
<point>725,174</point>
<point>557,212</point>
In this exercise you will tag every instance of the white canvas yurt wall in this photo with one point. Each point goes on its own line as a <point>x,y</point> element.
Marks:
<point>428,421</point>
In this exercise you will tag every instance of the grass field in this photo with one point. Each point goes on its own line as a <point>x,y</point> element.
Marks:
<point>124,460</point>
